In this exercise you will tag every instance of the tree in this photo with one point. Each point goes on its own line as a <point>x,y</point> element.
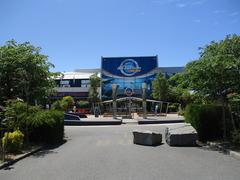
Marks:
<point>94,88</point>
<point>216,73</point>
<point>160,88</point>
<point>180,95</point>
<point>178,80</point>
<point>24,72</point>
<point>180,91</point>
<point>67,103</point>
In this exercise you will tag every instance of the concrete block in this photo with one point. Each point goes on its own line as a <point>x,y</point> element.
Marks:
<point>235,154</point>
<point>148,138</point>
<point>181,135</point>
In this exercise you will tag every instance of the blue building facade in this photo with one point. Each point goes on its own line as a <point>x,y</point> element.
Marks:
<point>129,74</point>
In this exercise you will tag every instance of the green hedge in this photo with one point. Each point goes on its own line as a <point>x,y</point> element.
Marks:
<point>83,104</point>
<point>13,141</point>
<point>206,119</point>
<point>173,107</point>
<point>47,126</point>
<point>236,137</point>
<point>37,124</point>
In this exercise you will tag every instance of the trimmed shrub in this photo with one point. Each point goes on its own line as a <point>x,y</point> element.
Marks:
<point>17,114</point>
<point>37,125</point>
<point>236,137</point>
<point>67,103</point>
<point>13,141</point>
<point>174,107</point>
<point>206,119</point>
<point>47,127</point>
<point>82,104</point>
<point>57,106</point>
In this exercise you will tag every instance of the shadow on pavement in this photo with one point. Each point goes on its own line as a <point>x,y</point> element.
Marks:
<point>8,168</point>
<point>48,149</point>
<point>216,149</point>
<point>150,145</point>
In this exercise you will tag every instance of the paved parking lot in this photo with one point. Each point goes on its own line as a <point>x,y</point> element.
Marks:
<point>107,153</point>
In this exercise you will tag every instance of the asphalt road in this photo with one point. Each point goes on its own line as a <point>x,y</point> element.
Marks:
<point>107,153</point>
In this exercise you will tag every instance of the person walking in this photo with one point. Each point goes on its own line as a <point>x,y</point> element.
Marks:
<point>156,109</point>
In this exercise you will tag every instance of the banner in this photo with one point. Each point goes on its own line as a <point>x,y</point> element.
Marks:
<point>129,73</point>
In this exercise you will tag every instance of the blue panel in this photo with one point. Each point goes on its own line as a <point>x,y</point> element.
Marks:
<point>128,73</point>
<point>129,66</point>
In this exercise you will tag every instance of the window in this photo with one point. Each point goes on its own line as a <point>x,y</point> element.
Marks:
<point>85,83</point>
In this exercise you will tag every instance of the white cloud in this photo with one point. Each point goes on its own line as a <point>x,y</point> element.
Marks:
<point>141,13</point>
<point>165,1</point>
<point>181,5</point>
<point>172,1</point>
<point>196,20</point>
<point>59,1</point>
<point>234,13</point>
<point>158,2</point>
<point>198,2</point>
<point>234,21</point>
<point>215,23</point>
<point>217,11</point>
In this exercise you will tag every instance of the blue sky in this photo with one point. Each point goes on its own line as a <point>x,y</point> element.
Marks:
<point>76,33</point>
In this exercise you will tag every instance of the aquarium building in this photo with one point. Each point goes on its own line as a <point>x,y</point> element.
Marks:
<point>127,73</point>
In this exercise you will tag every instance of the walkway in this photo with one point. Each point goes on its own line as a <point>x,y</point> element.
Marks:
<point>107,153</point>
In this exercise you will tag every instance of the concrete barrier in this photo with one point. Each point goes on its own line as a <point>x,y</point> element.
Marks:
<point>148,138</point>
<point>181,135</point>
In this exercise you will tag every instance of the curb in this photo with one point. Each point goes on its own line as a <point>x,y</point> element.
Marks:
<point>159,121</point>
<point>216,146</point>
<point>91,123</point>
<point>9,163</point>
<point>234,154</point>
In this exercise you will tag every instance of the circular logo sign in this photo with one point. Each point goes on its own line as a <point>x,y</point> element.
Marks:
<point>129,67</point>
<point>129,91</point>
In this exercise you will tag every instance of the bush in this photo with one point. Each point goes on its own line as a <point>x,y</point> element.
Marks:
<point>47,126</point>
<point>37,125</point>
<point>206,119</point>
<point>236,137</point>
<point>67,103</point>
<point>83,104</point>
<point>181,112</point>
<point>13,141</point>
<point>57,106</point>
<point>17,115</point>
<point>174,107</point>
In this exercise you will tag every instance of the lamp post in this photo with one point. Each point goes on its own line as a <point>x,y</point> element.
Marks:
<point>144,102</point>
<point>114,92</point>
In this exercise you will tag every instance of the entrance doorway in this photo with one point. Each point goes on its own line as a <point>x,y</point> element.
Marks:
<point>132,108</point>
<point>129,107</point>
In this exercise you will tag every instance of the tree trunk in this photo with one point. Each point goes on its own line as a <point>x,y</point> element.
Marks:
<point>224,119</point>
<point>232,120</point>
<point>26,128</point>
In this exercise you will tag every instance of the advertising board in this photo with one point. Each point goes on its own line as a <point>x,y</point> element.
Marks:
<point>129,73</point>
